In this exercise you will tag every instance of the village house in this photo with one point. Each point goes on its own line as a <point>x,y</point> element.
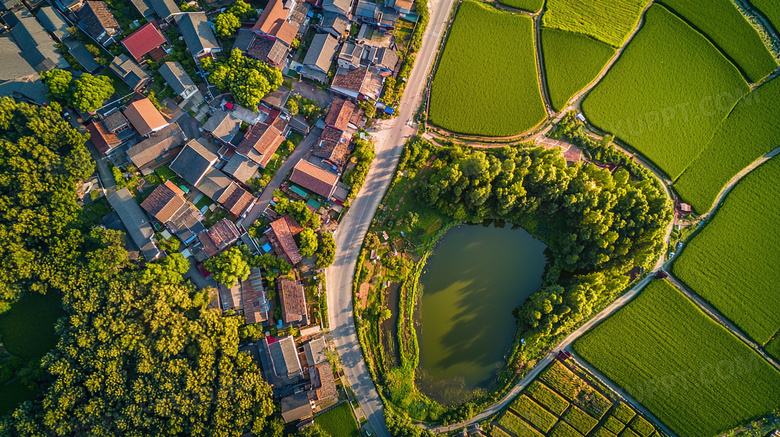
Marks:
<point>218,187</point>
<point>280,234</point>
<point>165,9</point>
<point>241,168</point>
<point>401,6</point>
<point>383,58</point>
<point>315,351</point>
<point>219,237</point>
<point>319,56</point>
<point>277,99</point>
<point>222,127</point>
<point>130,73</point>
<point>333,147</point>
<point>168,205</point>
<point>194,161</point>
<point>98,22</point>
<point>159,148</point>
<point>323,391</point>
<point>284,357</point>
<point>143,41</point>
<point>80,52</point>
<point>293,299</point>
<point>269,50</point>
<point>350,55</point>
<point>340,115</point>
<point>262,140</point>
<point>109,132</point>
<point>256,306</point>
<point>276,29</point>
<point>175,76</point>
<point>144,117</point>
<point>52,21</point>
<point>37,48</point>
<point>197,33</point>
<point>342,7</point>
<point>315,179</point>
<point>334,23</point>
<point>138,227</point>
<point>296,407</point>
<point>144,7</point>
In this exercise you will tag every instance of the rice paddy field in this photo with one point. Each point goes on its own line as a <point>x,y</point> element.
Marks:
<point>770,9</point>
<point>609,21</point>
<point>773,347</point>
<point>681,364</point>
<point>571,61</point>
<point>486,82</point>
<point>562,402</point>
<point>526,5</point>
<point>727,28</point>
<point>732,263</point>
<point>668,92</point>
<point>748,133</point>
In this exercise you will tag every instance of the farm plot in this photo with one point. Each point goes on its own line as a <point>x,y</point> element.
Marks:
<point>610,21</point>
<point>770,9</point>
<point>526,5</point>
<point>732,263</point>
<point>773,347</point>
<point>749,132</point>
<point>486,82</point>
<point>517,426</point>
<point>573,388</point>
<point>534,414</point>
<point>338,421</point>
<point>667,93</point>
<point>680,364</point>
<point>727,28</point>
<point>547,398</point>
<point>571,62</point>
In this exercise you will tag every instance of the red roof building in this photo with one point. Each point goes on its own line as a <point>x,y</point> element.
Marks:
<point>143,41</point>
<point>314,178</point>
<point>293,302</point>
<point>281,237</point>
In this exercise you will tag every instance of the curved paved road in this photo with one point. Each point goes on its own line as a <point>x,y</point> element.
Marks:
<point>391,136</point>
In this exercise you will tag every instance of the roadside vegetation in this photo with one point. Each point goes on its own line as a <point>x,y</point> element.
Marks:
<point>679,363</point>
<point>571,61</point>
<point>656,102</point>
<point>770,9</point>
<point>732,263</point>
<point>749,132</point>
<point>610,21</point>
<point>486,82</point>
<point>727,28</point>
<point>437,188</point>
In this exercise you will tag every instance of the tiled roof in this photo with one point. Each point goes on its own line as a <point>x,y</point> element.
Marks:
<point>96,18</point>
<point>277,98</point>
<point>296,407</point>
<point>385,57</point>
<point>177,78</point>
<point>143,41</point>
<point>103,140</point>
<point>164,202</point>
<point>340,113</point>
<point>350,80</point>
<point>236,200</point>
<point>37,47</point>
<point>222,125</point>
<point>260,143</point>
<point>209,248</point>
<point>164,8</point>
<point>256,305</point>
<point>281,238</point>
<point>313,178</point>
<point>158,147</point>
<point>197,32</point>
<point>335,21</point>
<point>341,6</point>
<point>351,53</point>
<point>293,301</point>
<point>321,52</point>
<point>231,296</point>
<point>223,233</point>
<point>52,21</point>
<point>273,21</point>
<point>144,7</point>
<point>241,168</point>
<point>194,160</point>
<point>315,351</point>
<point>134,220</point>
<point>244,38</point>
<point>129,72</point>
<point>322,382</point>
<point>144,117</point>
<point>115,121</point>
<point>269,50</point>
<point>372,84</point>
<point>333,146</point>
<point>284,357</point>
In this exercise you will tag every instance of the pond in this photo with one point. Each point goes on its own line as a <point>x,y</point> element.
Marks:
<point>471,283</point>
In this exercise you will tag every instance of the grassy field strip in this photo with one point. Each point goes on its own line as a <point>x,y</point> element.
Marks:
<point>679,363</point>
<point>339,421</point>
<point>667,93</point>
<point>526,5</point>
<point>572,61</point>
<point>771,10</point>
<point>727,28</point>
<point>487,80</point>
<point>590,17</point>
<point>732,263</point>
<point>750,131</point>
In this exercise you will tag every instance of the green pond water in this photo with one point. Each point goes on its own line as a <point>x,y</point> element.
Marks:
<point>471,283</point>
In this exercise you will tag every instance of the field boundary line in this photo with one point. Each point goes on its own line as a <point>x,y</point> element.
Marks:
<point>722,320</point>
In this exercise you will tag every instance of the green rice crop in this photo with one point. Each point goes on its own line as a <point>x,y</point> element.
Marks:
<point>579,420</point>
<point>610,21</point>
<point>570,386</point>
<point>732,263</point>
<point>516,426</point>
<point>681,364</point>
<point>748,133</point>
<point>498,432</point>
<point>526,5</point>
<point>613,424</point>
<point>562,429</point>
<point>602,432</point>
<point>571,61</point>
<point>628,433</point>
<point>667,93</point>
<point>642,426</point>
<point>727,28</point>
<point>773,347</point>
<point>486,82</point>
<point>547,398</point>
<point>624,413</point>
<point>529,410</point>
<point>770,9</point>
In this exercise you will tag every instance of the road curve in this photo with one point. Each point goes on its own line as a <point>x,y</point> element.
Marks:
<point>352,229</point>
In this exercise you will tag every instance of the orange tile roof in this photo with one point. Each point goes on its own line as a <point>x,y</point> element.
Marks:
<point>164,201</point>
<point>273,21</point>
<point>281,238</point>
<point>144,117</point>
<point>293,301</point>
<point>314,178</point>
<point>263,140</point>
<point>340,113</point>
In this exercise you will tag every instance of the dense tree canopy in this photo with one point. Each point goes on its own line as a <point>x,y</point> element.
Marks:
<point>42,159</point>
<point>87,93</point>
<point>326,251</point>
<point>299,212</point>
<point>226,24</point>
<point>307,243</point>
<point>229,267</point>
<point>249,80</point>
